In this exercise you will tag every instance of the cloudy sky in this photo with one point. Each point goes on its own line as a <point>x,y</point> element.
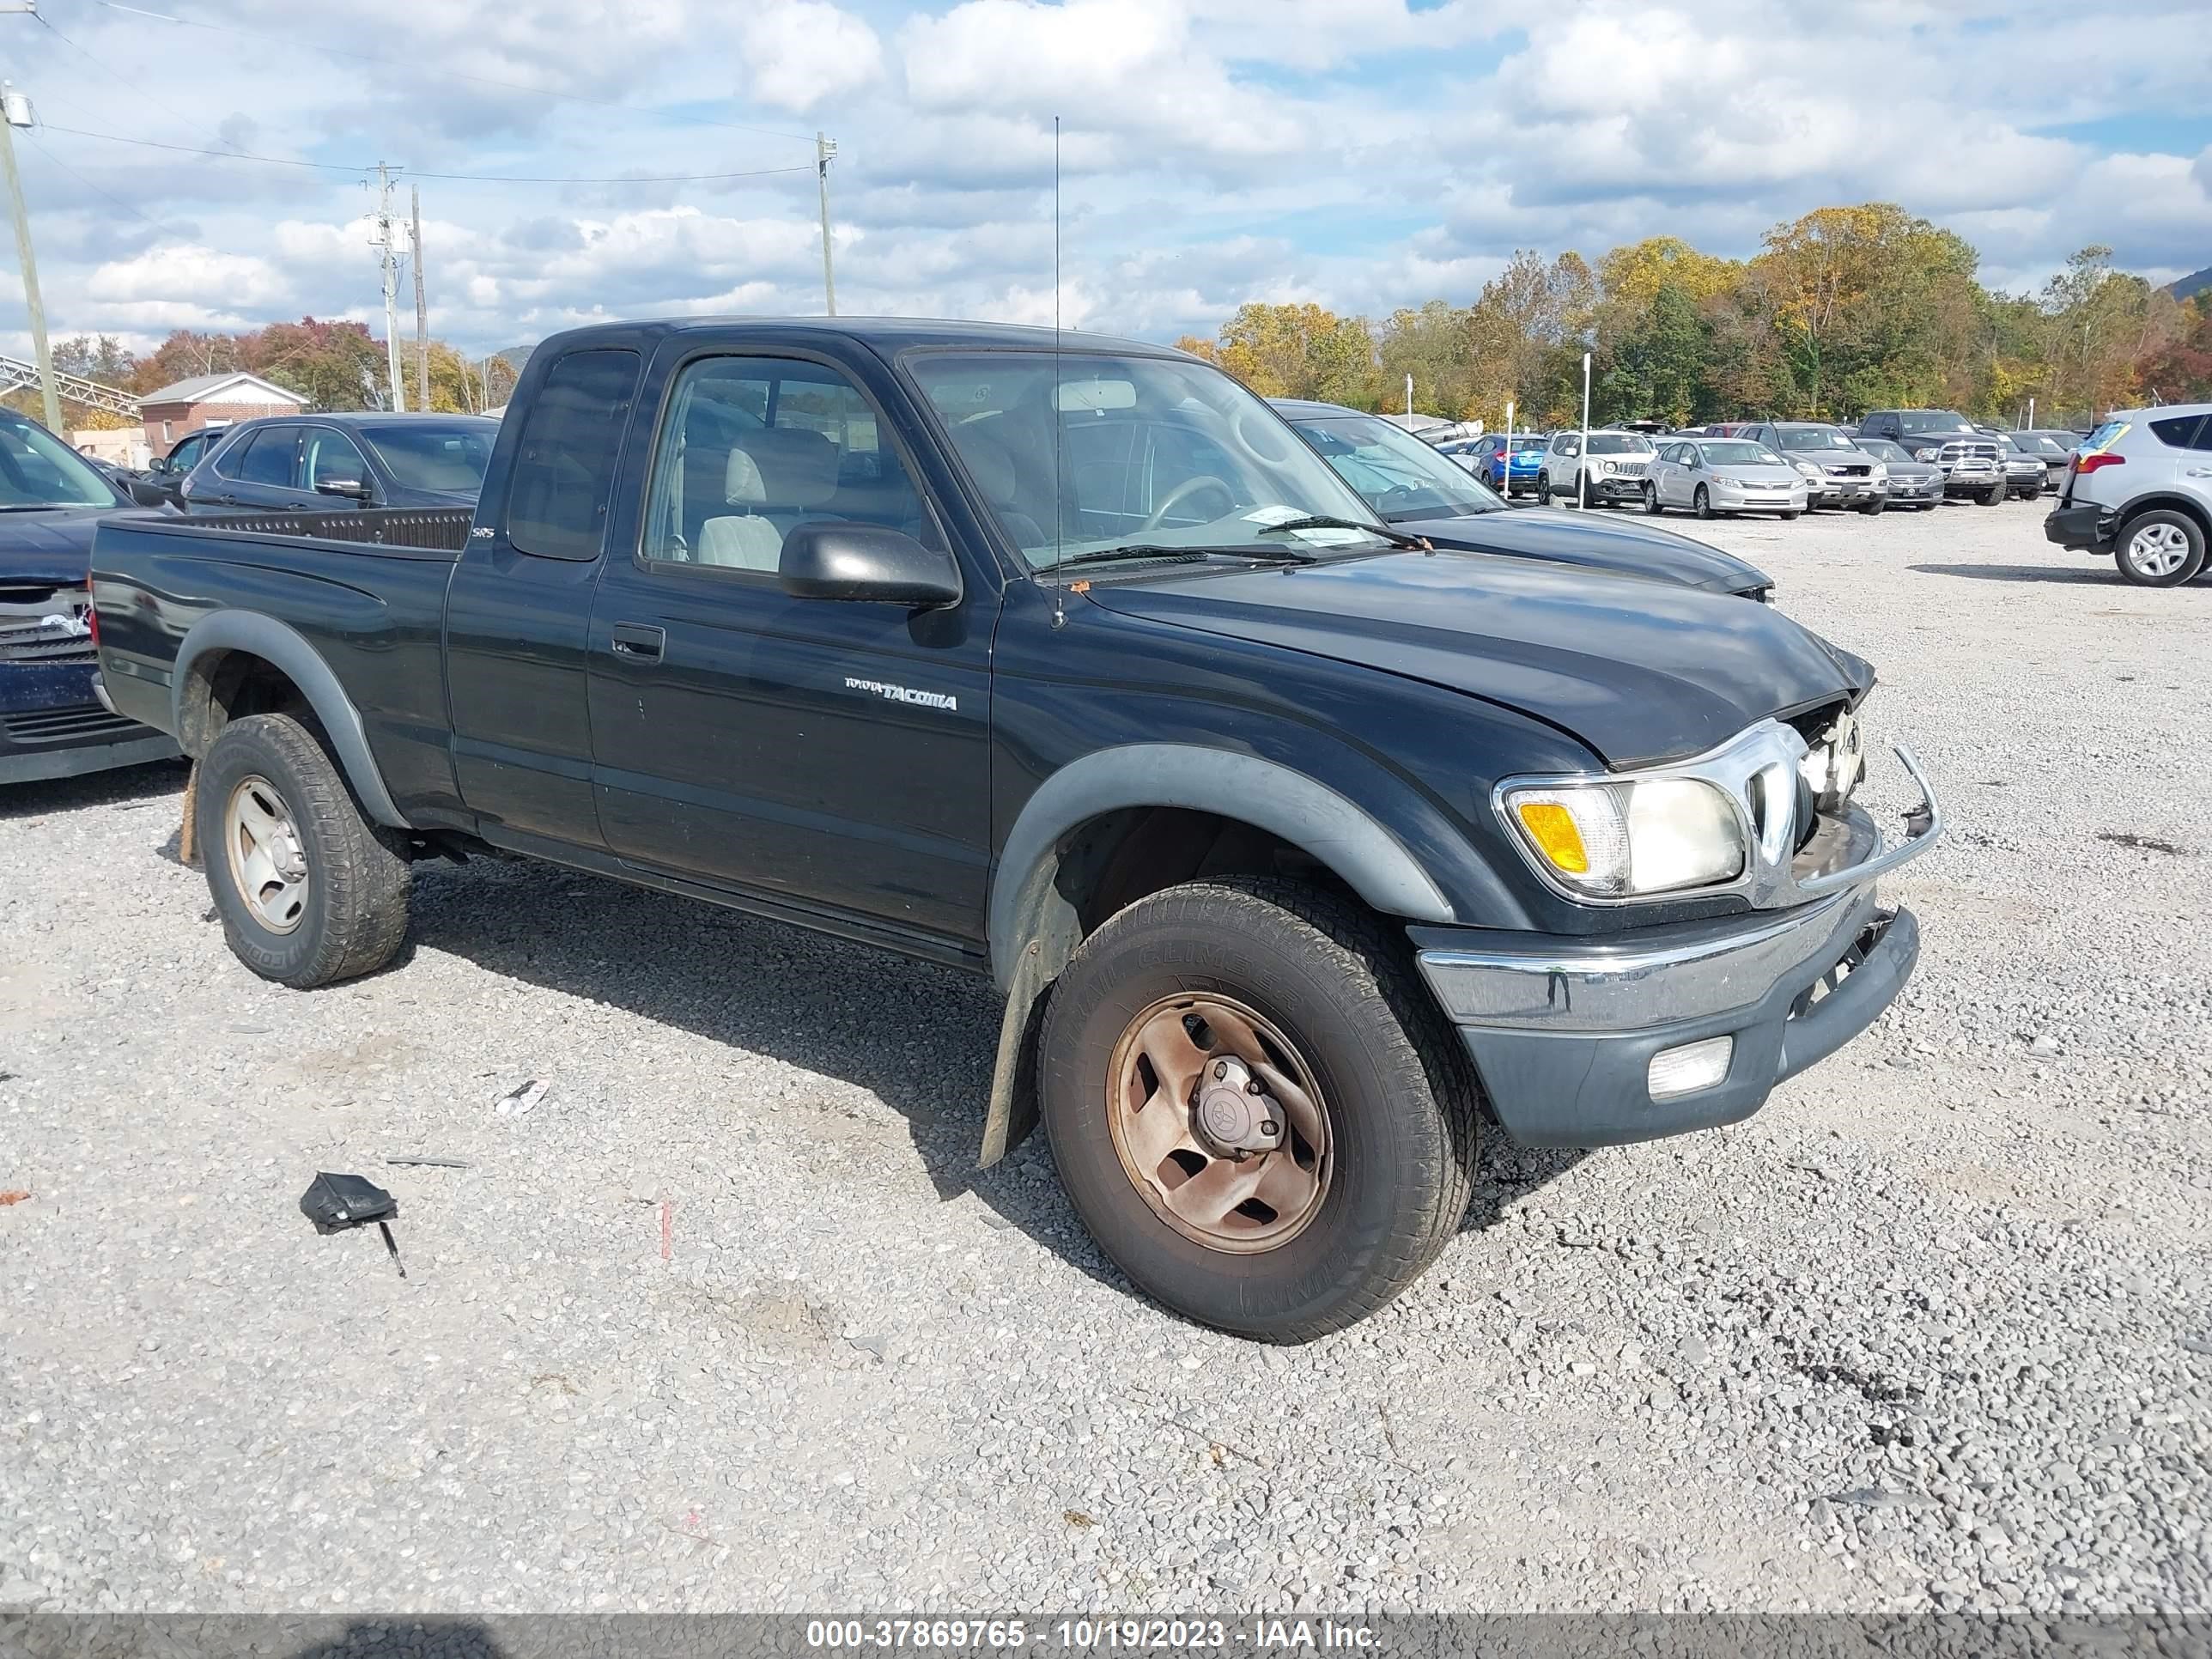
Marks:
<point>1363,153</point>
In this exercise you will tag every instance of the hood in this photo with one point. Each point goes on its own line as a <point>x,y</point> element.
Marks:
<point>52,547</point>
<point>1596,543</point>
<point>1642,671</point>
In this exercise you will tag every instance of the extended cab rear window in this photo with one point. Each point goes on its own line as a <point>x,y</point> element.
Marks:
<point>564,466</point>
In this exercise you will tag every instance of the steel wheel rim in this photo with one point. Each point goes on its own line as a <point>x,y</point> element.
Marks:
<point>1177,1123</point>
<point>268,865</point>
<point>2158,550</point>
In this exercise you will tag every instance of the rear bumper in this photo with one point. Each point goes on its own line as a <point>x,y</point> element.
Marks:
<point>1564,1032</point>
<point>2081,526</point>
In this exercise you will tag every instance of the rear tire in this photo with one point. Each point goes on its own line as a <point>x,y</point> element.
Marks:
<point>1395,1096</point>
<point>309,891</point>
<point>1544,496</point>
<point>2162,548</point>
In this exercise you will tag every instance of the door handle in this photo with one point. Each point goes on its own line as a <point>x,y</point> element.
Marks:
<point>639,642</point>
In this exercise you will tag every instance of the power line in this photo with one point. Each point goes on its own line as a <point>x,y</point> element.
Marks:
<point>449,75</point>
<point>111,71</point>
<point>167,230</point>
<point>461,178</point>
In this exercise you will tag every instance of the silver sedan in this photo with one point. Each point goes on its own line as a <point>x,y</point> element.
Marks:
<point>1713,475</point>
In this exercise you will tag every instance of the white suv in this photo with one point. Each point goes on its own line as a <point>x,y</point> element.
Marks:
<point>2140,489</point>
<point>1618,462</point>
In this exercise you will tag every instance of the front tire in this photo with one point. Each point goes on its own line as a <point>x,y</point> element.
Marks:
<point>309,891</point>
<point>1703,503</point>
<point>1993,496</point>
<point>1874,509</point>
<point>1786,516</point>
<point>1651,500</point>
<point>2162,548</point>
<point>1311,998</point>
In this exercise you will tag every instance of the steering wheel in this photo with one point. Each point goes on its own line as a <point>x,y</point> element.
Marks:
<point>1188,487</point>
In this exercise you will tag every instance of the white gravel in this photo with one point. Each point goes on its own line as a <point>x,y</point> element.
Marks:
<point>725,1322</point>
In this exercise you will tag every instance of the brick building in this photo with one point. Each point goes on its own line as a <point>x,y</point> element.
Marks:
<point>212,400</point>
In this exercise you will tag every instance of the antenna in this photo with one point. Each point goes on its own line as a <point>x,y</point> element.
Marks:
<point>1059,425</point>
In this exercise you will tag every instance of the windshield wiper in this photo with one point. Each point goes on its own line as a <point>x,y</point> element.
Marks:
<point>1185,555</point>
<point>42,506</point>
<point>1323,521</point>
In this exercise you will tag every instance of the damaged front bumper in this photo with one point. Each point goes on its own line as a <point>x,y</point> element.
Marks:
<point>1564,1032</point>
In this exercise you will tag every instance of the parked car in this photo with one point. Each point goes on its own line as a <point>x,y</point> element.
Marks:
<point>166,474</point>
<point>52,724</point>
<point>2055,455</point>
<point>1510,472</point>
<point>308,461</point>
<point>1836,470</point>
<point>1414,489</point>
<point>1094,679</point>
<point>1914,486</point>
<point>2025,466</point>
<point>2140,489</point>
<point>1616,465</point>
<point>1948,440</point>
<point>1713,475</point>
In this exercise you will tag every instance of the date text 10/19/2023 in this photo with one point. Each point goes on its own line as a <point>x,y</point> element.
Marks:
<point>989,1635</point>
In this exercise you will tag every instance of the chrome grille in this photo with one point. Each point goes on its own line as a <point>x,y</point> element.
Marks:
<point>46,624</point>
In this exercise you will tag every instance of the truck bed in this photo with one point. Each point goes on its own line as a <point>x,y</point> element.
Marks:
<point>366,589</point>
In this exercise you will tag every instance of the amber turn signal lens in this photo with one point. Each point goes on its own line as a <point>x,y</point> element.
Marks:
<point>1551,827</point>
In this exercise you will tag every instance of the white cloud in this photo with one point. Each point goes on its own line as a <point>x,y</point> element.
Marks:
<point>1367,153</point>
<point>795,54</point>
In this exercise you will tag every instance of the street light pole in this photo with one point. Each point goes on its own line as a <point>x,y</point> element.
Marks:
<point>17,111</point>
<point>1582,461</point>
<point>823,150</point>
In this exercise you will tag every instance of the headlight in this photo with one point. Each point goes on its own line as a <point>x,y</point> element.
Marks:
<point>1880,472</point>
<point>1605,466</point>
<point>1926,452</point>
<point>1617,840</point>
<point>1808,469</point>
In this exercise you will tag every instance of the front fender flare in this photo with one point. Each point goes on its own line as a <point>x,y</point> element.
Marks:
<point>1265,794</point>
<point>286,648</point>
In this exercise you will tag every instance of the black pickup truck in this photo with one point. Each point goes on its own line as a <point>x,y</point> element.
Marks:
<point>1289,840</point>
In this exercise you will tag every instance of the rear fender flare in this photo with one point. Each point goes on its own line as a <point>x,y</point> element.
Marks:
<point>285,648</point>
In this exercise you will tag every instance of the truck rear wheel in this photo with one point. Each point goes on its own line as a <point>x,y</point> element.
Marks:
<point>1255,1106</point>
<point>309,891</point>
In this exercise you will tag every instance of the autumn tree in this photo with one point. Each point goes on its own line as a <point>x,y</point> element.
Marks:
<point>1298,350</point>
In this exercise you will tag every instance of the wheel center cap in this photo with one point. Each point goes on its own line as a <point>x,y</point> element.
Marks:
<point>1234,1112</point>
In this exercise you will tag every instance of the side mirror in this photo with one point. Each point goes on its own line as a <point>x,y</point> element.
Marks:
<point>351,489</point>
<point>847,560</point>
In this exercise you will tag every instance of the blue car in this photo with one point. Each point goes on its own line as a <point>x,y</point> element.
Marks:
<point>52,723</point>
<point>1513,474</point>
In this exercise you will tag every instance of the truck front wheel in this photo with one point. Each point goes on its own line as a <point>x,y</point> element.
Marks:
<point>309,891</point>
<point>1255,1106</point>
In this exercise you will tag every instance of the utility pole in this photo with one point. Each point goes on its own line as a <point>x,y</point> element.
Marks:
<point>388,255</point>
<point>16,109</point>
<point>421,312</point>
<point>823,150</point>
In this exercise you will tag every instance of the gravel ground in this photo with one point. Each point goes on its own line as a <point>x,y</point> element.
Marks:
<point>726,1322</point>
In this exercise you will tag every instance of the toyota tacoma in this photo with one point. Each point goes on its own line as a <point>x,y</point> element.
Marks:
<point>1291,843</point>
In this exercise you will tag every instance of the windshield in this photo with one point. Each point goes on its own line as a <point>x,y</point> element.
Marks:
<point>39,469</point>
<point>1619,443</point>
<point>1933,420</point>
<point>1813,437</point>
<point>1739,451</point>
<point>1119,450</point>
<point>1399,476</point>
<point>443,455</point>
